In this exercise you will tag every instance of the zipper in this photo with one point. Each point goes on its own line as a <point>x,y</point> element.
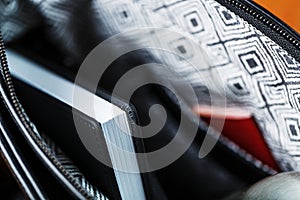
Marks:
<point>26,122</point>
<point>245,9</point>
<point>267,23</point>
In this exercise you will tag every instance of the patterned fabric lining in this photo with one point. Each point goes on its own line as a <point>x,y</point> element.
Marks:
<point>66,165</point>
<point>15,18</point>
<point>256,72</point>
<point>72,170</point>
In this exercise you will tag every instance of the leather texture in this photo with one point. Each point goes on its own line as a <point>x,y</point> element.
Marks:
<point>257,72</point>
<point>225,165</point>
<point>40,168</point>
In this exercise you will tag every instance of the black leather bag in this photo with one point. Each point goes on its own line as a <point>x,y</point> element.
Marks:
<point>242,29</point>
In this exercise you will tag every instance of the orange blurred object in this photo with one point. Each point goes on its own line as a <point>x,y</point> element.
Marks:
<point>287,10</point>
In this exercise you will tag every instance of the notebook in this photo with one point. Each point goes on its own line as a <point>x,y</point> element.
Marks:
<point>109,128</point>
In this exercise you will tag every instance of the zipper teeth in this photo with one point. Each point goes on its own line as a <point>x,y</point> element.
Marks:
<point>17,106</point>
<point>8,81</point>
<point>294,41</point>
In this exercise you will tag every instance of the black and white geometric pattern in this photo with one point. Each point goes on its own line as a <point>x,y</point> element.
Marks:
<point>65,167</point>
<point>64,164</point>
<point>73,172</point>
<point>16,16</point>
<point>256,72</point>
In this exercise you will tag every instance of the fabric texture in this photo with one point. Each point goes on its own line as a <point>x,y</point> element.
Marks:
<point>65,166</point>
<point>16,17</point>
<point>72,170</point>
<point>257,74</point>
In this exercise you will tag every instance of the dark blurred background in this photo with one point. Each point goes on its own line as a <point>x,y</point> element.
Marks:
<point>9,188</point>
